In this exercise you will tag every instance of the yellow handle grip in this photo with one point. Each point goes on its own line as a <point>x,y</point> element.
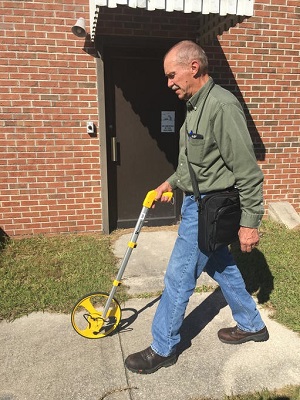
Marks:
<point>150,198</point>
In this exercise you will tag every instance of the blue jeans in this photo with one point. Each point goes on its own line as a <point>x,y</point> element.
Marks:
<point>184,268</point>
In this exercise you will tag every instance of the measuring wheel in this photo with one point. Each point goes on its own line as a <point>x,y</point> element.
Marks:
<point>87,316</point>
<point>98,314</point>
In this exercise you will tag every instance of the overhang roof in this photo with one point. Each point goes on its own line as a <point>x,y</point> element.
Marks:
<point>221,7</point>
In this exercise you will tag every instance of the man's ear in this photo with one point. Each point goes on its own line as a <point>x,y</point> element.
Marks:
<point>195,66</point>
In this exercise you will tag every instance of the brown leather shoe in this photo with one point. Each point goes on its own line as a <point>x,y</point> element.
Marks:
<point>147,361</point>
<point>237,336</point>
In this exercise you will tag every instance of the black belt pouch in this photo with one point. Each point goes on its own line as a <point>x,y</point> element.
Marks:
<point>218,220</point>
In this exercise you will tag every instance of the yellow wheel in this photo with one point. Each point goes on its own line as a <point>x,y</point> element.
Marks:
<point>87,316</point>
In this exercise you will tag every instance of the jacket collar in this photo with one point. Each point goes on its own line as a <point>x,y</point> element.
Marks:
<point>195,101</point>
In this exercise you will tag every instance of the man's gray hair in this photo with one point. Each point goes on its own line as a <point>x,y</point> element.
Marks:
<point>187,51</point>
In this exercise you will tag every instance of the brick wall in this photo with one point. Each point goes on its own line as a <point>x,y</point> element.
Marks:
<point>50,167</point>
<point>50,178</point>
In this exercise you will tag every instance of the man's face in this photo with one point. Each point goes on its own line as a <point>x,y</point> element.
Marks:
<point>180,78</point>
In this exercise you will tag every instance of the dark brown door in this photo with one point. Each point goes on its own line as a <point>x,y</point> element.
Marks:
<point>143,119</point>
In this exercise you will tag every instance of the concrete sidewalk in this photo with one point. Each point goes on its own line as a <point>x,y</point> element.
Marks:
<point>43,358</point>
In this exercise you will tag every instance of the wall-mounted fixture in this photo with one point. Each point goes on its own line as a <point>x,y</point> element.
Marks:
<point>79,28</point>
<point>90,127</point>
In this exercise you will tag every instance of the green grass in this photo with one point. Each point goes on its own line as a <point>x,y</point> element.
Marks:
<point>287,393</point>
<point>52,273</point>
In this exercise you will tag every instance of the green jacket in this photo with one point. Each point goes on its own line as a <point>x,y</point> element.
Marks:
<point>220,150</point>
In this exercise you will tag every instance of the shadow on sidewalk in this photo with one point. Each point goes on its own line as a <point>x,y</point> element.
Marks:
<point>192,324</point>
<point>125,323</point>
<point>201,316</point>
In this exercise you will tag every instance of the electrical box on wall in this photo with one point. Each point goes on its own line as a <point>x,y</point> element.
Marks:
<point>90,127</point>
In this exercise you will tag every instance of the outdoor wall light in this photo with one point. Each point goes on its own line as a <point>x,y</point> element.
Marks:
<point>89,46</point>
<point>79,28</point>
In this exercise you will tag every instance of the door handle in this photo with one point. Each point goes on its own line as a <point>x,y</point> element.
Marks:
<point>114,149</point>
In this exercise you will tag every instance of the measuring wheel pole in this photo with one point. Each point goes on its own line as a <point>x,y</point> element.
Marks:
<point>147,204</point>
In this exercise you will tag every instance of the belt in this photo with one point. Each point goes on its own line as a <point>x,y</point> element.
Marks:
<point>189,193</point>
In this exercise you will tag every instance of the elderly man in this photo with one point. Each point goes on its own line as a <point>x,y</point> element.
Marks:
<point>221,153</point>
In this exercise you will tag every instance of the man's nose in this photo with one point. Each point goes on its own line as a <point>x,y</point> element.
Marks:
<point>170,83</point>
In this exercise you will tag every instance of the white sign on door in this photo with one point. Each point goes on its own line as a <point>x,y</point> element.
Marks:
<point>167,121</point>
